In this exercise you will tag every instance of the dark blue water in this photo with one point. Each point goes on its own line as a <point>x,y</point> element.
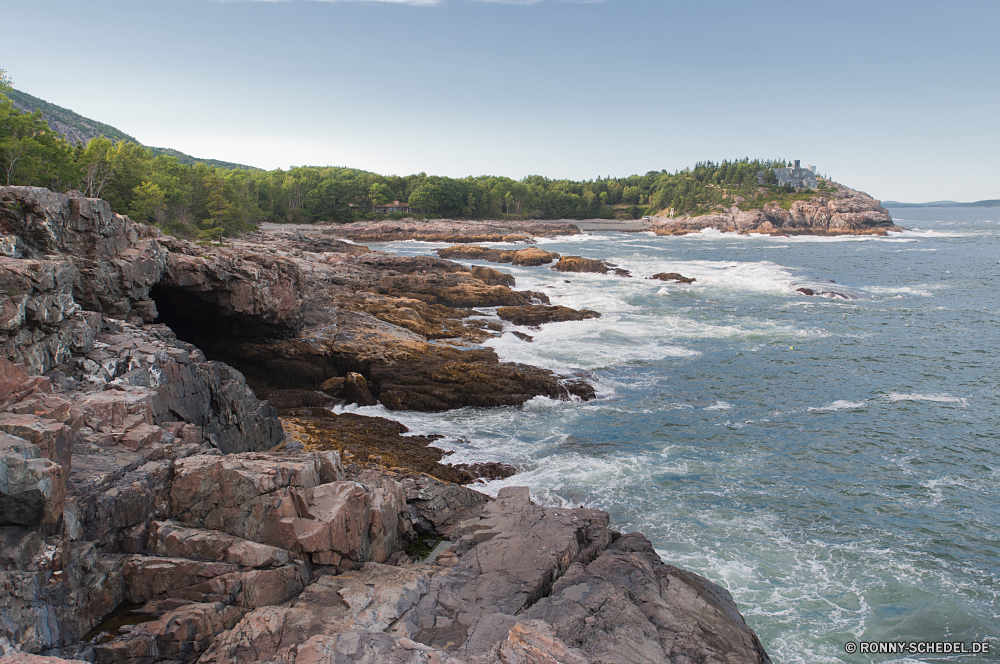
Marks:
<point>831,460</point>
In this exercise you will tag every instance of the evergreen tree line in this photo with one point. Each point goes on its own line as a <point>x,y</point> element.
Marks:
<point>199,199</point>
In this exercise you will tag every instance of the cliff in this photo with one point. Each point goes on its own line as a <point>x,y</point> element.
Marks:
<point>845,212</point>
<point>153,510</point>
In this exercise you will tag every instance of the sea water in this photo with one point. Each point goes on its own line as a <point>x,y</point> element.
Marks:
<point>830,460</point>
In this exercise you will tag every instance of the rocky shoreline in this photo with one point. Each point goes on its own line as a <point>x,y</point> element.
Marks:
<point>843,212</point>
<point>153,509</point>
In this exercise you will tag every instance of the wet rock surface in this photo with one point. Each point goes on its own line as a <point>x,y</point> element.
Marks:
<point>381,443</point>
<point>673,277</point>
<point>823,293</point>
<point>539,315</point>
<point>531,256</point>
<point>845,212</point>
<point>581,264</point>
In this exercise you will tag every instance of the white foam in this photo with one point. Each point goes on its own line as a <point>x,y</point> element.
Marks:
<point>922,290</point>
<point>583,237</point>
<point>720,405</point>
<point>840,405</point>
<point>934,398</point>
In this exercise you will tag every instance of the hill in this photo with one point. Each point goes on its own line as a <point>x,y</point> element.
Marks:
<point>76,129</point>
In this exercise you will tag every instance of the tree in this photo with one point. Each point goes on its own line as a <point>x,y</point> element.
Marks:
<point>97,167</point>
<point>30,152</point>
<point>147,203</point>
<point>378,194</point>
<point>215,202</point>
<point>424,200</point>
<point>130,165</point>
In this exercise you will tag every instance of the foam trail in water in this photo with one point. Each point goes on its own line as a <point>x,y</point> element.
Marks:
<point>935,398</point>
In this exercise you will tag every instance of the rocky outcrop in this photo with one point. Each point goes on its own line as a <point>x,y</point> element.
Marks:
<point>379,442</point>
<point>580,264</point>
<point>447,230</point>
<point>673,277</point>
<point>845,212</point>
<point>116,260</point>
<point>151,509</point>
<point>32,488</point>
<point>539,315</point>
<point>520,583</point>
<point>291,309</point>
<point>531,256</point>
<point>371,314</point>
<point>281,556</point>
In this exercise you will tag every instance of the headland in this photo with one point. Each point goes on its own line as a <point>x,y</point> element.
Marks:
<point>154,508</point>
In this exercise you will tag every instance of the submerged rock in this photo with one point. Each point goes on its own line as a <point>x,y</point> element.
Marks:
<point>830,294</point>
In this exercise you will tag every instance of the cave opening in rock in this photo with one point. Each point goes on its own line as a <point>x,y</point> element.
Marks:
<point>241,341</point>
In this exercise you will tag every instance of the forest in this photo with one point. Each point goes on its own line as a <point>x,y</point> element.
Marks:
<point>203,200</point>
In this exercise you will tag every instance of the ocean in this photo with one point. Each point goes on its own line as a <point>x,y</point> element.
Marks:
<point>830,460</point>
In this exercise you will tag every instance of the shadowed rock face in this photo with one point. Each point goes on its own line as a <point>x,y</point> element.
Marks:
<point>847,212</point>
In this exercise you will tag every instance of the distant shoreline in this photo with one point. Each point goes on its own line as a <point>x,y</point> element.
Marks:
<point>943,204</point>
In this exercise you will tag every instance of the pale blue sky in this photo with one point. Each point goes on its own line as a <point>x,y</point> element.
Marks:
<point>899,99</point>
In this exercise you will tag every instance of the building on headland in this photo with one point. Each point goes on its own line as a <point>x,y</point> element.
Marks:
<point>797,176</point>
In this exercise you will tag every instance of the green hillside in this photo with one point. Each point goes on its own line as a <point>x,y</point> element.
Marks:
<point>76,128</point>
<point>72,126</point>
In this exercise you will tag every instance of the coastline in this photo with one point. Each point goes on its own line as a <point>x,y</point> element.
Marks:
<point>142,473</point>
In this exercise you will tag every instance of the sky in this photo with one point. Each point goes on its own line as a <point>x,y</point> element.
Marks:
<point>898,99</point>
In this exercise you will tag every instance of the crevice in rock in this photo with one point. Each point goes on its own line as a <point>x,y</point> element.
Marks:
<point>196,318</point>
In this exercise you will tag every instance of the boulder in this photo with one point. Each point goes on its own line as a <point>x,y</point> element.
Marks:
<point>355,390</point>
<point>32,488</point>
<point>580,264</point>
<point>280,502</point>
<point>530,256</point>
<point>53,439</point>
